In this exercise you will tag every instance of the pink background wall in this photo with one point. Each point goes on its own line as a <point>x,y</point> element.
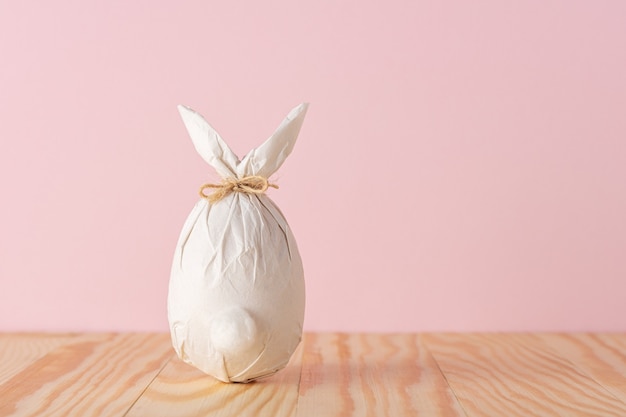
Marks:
<point>462,165</point>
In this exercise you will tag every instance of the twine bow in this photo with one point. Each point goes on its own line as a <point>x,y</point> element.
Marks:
<point>253,184</point>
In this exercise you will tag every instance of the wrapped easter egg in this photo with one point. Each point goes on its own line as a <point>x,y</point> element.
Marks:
<point>236,292</point>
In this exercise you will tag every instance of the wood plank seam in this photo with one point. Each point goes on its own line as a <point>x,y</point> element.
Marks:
<point>445,377</point>
<point>331,374</point>
<point>147,386</point>
<point>517,374</point>
<point>184,391</point>
<point>93,374</point>
<point>574,366</point>
<point>584,372</point>
<point>347,374</point>
<point>577,368</point>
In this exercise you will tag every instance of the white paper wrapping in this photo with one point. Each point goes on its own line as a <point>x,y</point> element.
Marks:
<point>236,293</point>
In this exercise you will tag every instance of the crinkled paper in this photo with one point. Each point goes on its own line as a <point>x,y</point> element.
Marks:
<point>236,293</point>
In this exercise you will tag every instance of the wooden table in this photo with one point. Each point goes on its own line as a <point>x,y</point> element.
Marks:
<point>470,375</point>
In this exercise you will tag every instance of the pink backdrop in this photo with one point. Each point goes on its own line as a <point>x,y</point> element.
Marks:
<point>462,165</point>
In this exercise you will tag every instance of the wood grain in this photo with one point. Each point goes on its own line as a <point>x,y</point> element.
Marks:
<point>372,375</point>
<point>601,356</point>
<point>518,375</point>
<point>91,375</point>
<point>466,375</point>
<point>18,350</point>
<point>183,391</point>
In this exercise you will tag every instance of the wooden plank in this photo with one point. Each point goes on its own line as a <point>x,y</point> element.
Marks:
<point>330,374</point>
<point>517,375</point>
<point>181,390</point>
<point>92,375</point>
<point>18,350</point>
<point>372,375</point>
<point>601,356</point>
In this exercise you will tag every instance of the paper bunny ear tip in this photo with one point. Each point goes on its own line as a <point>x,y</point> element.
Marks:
<point>297,112</point>
<point>193,118</point>
<point>182,109</point>
<point>302,107</point>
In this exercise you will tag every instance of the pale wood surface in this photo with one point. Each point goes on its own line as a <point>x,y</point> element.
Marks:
<point>90,375</point>
<point>372,375</point>
<point>181,390</point>
<point>331,374</point>
<point>518,375</point>
<point>20,350</point>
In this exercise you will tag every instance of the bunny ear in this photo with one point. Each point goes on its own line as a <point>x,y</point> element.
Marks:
<point>209,144</point>
<point>267,158</point>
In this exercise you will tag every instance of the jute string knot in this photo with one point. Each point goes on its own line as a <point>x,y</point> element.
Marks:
<point>253,184</point>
